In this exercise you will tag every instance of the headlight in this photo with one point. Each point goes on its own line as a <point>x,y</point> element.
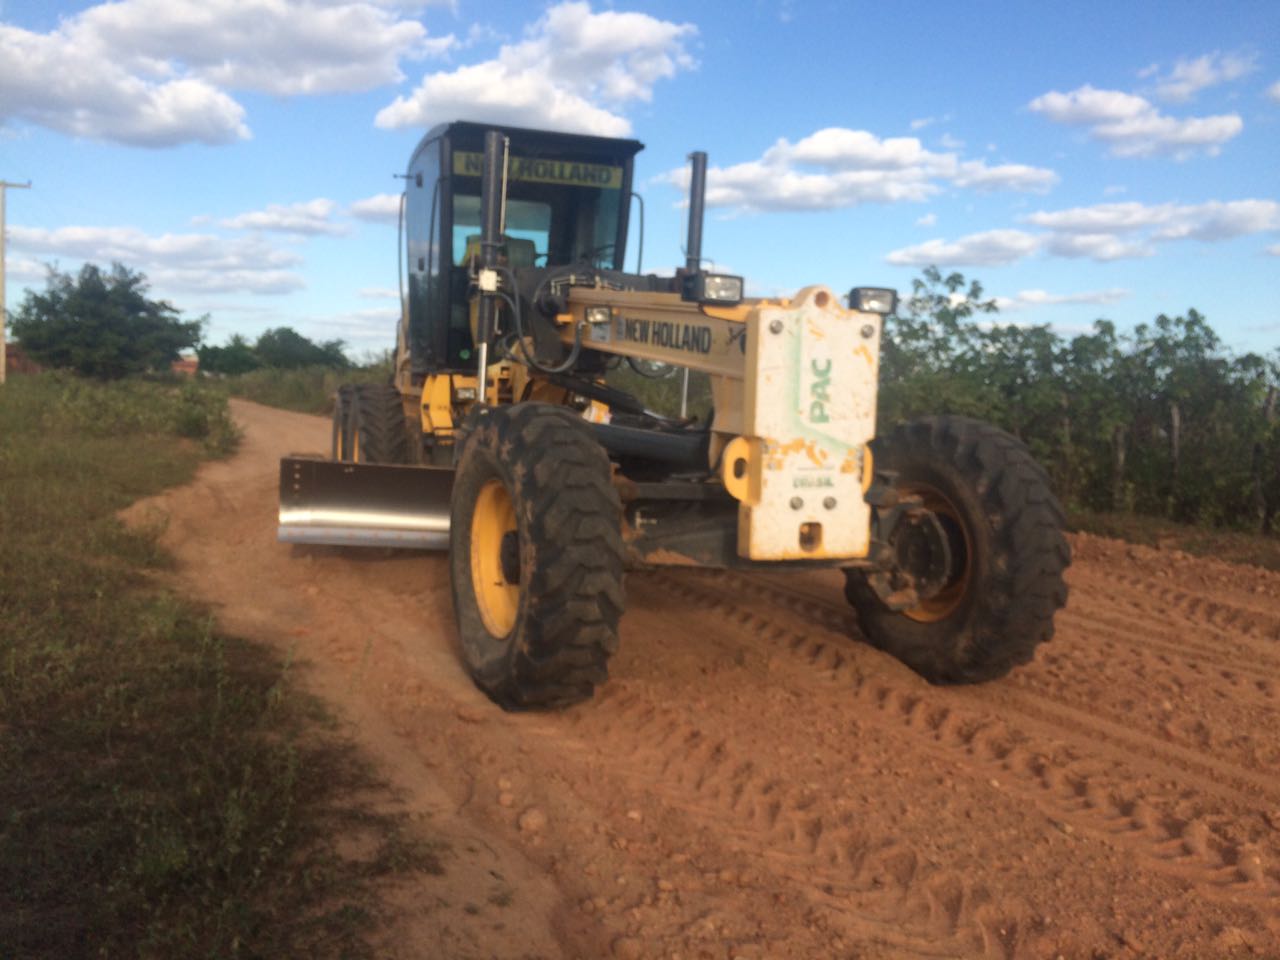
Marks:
<point>599,315</point>
<point>873,300</point>
<point>712,288</point>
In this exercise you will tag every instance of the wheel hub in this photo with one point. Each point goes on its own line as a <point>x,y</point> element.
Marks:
<point>922,551</point>
<point>925,571</point>
<point>509,556</point>
<point>495,559</point>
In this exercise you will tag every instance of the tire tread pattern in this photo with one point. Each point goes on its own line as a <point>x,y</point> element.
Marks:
<point>1016,588</point>
<point>377,416</point>
<point>571,553</point>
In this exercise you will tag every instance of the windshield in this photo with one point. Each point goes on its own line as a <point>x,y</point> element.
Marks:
<point>568,212</point>
<point>526,220</point>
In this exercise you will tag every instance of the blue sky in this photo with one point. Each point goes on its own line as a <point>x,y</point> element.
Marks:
<point>1082,160</point>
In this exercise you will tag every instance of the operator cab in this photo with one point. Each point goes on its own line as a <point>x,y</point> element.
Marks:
<point>568,199</point>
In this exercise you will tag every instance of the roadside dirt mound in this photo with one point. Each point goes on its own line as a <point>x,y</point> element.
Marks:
<point>754,782</point>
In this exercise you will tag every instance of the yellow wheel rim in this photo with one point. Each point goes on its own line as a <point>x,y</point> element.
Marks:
<point>945,602</point>
<point>355,446</point>
<point>492,519</point>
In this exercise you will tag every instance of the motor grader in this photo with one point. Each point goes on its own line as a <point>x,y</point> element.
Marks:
<point>503,439</point>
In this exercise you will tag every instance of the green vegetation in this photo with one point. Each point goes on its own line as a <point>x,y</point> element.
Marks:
<point>307,389</point>
<point>1161,422</point>
<point>164,789</point>
<point>101,325</point>
<point>280,348</point>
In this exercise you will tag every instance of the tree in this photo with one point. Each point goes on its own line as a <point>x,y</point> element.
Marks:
<point>238,356</point>
<point>931,360</point>
<point>286,348</point>
<point>102,324</point>
<point>1161,421</point>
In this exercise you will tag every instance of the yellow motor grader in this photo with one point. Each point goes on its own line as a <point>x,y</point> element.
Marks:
<point>502,439</point>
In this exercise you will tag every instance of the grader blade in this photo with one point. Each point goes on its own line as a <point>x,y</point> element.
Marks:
<point>364,504</point>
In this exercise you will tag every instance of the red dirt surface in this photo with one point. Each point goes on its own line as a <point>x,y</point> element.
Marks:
<point>754,782</point>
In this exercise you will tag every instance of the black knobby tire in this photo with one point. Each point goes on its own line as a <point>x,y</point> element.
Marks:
<point>340,439</point>
<point>563,573</point>
<point>1006,527</point>
<point>378,427</point>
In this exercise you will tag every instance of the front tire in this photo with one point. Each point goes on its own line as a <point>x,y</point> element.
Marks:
<point>535,557</point>
<point>1004,528</point>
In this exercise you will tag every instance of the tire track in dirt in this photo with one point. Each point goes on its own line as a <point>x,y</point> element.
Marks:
<point>754,783</point>
<point>816,606</point>
<point>1105,623</point>
<point>1103,608</point>
<point>1059,778</point>
<point>794,832</point>
<point>1229,618</point>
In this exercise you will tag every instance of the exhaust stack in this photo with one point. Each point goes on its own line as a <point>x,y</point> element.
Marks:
<point>697,201</point>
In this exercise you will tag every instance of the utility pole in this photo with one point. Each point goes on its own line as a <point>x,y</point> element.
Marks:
<point>4,349</point>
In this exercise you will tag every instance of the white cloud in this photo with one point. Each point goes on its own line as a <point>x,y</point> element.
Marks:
<point>309,218</point>
<point>573,71</point>
<point>1215,220</point>
<point>922,122</point>
<point>226,280</point>
<point>1132,127</point>
<point>1273,92</point>
<point>369,329</point>
<point>378,293</point>
<point>1111,217</point>
<point>992,248</point>
<point>928,220</point>
<point>837,167</point>
<point>190,261</point>
<point>24,270</point>
<point>838,148</point>
<point>156,73</point>
<point>380,208</point>
<point>1189,77</point>
<point>1274,250</point>
<point>976,174</point>
<point>282,48</point>
<point>96,98</point>
<point>480,33</point>
<point>1105,232</point>
<point>1102,247</point>
<point>1042,298</point>
<point>1087,105</point>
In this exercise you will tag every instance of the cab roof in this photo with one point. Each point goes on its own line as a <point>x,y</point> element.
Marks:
<point>470,135</point>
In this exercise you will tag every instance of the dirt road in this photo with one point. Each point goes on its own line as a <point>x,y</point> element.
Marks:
<point>754,782</point>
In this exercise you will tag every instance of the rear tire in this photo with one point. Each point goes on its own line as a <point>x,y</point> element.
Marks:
<point>535,557</point>
<point>1005,527</point>
<point>378,428</point>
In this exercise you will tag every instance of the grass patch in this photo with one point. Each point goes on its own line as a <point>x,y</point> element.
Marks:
<point>164,791</point>
<point>306,390</point>
<point>1231,545</point>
